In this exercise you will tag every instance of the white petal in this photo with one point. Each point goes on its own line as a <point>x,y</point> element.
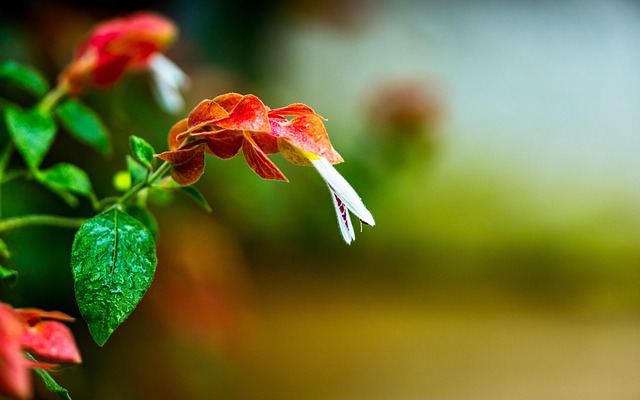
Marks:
<point>169,81</point>
<point>343,190</point>
<point>344,219</point>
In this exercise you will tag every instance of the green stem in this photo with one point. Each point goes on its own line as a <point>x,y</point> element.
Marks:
<point>13,223</point>
<point>157,174</point>
<point>107,201</point>
<point>51,99</point>
<point>11,175</point>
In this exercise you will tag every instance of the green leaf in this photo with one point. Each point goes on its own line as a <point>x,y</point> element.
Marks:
<point>145,217</point>
<point>25,77</point>
<point>64,179</point>
<point>113,259</point>
<point>137,171</point>
<point>32,133</point>
<point>195,194</point>
<point>143,151</point>
<point>8,275</point>
<point>84,124</point>
<point>51,384</point>
<point>69,177</point>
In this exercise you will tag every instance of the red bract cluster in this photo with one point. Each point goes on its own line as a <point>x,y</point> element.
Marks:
<point>36,332</point>
<point>115,46</point>
<point>231,122</point>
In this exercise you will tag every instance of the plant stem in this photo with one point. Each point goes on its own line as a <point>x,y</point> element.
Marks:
<point>11,175</point>
<point>13,223</point>
<point>51,99</point>
<point>102,204</point>
<point>157,174</point>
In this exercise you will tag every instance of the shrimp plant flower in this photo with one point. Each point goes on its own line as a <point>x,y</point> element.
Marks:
<point>233,122</point>
<point>39,333</point>
<point>132,42</point>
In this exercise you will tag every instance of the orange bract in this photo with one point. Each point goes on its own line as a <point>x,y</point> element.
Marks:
<point>232,121</point>
<point>187,162</point>
<point>306,133</point>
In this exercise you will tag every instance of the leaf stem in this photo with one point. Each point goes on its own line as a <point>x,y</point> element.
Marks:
<point>51,99</point>
<point>48,380</point>
<point>157,174</point>
<point>13,223</point>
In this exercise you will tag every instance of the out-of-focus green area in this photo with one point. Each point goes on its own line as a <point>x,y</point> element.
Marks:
<point>495,144</point>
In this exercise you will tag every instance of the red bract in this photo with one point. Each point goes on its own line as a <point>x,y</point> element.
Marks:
<point>115,46</point>
<point>246,127</point>
<point>27,330</point>
<point>188,160</point>
<point>302,137</point>
<point>232,122</point>
<point>225,125</point>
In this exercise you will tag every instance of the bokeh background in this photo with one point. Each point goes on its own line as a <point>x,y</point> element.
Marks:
<point>496,143</point>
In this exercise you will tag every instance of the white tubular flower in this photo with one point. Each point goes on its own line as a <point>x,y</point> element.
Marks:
<point>169,81</point>
<point>344,197</point>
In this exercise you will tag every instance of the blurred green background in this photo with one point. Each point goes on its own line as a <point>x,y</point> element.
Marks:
<point>496,144</point>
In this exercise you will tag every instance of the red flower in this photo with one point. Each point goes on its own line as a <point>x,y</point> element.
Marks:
<point>117,45</point>
<point>36,332</point>
<point>231,122</point>
<point>245,126</point>
<point>222,127</point>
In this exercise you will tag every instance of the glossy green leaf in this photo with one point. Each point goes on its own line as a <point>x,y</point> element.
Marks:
<point>145,217</point>
<point>197,196</point>
<point>8,275</point>
<point>25,77</point>
<point>32,133</point>
<point>84,124</point>
<point>143,151</point>
<point>113,259</point>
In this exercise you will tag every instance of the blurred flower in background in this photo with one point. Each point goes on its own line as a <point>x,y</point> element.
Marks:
<point>132,42</point>
<point>38,333</point>
<point>407,116</point>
